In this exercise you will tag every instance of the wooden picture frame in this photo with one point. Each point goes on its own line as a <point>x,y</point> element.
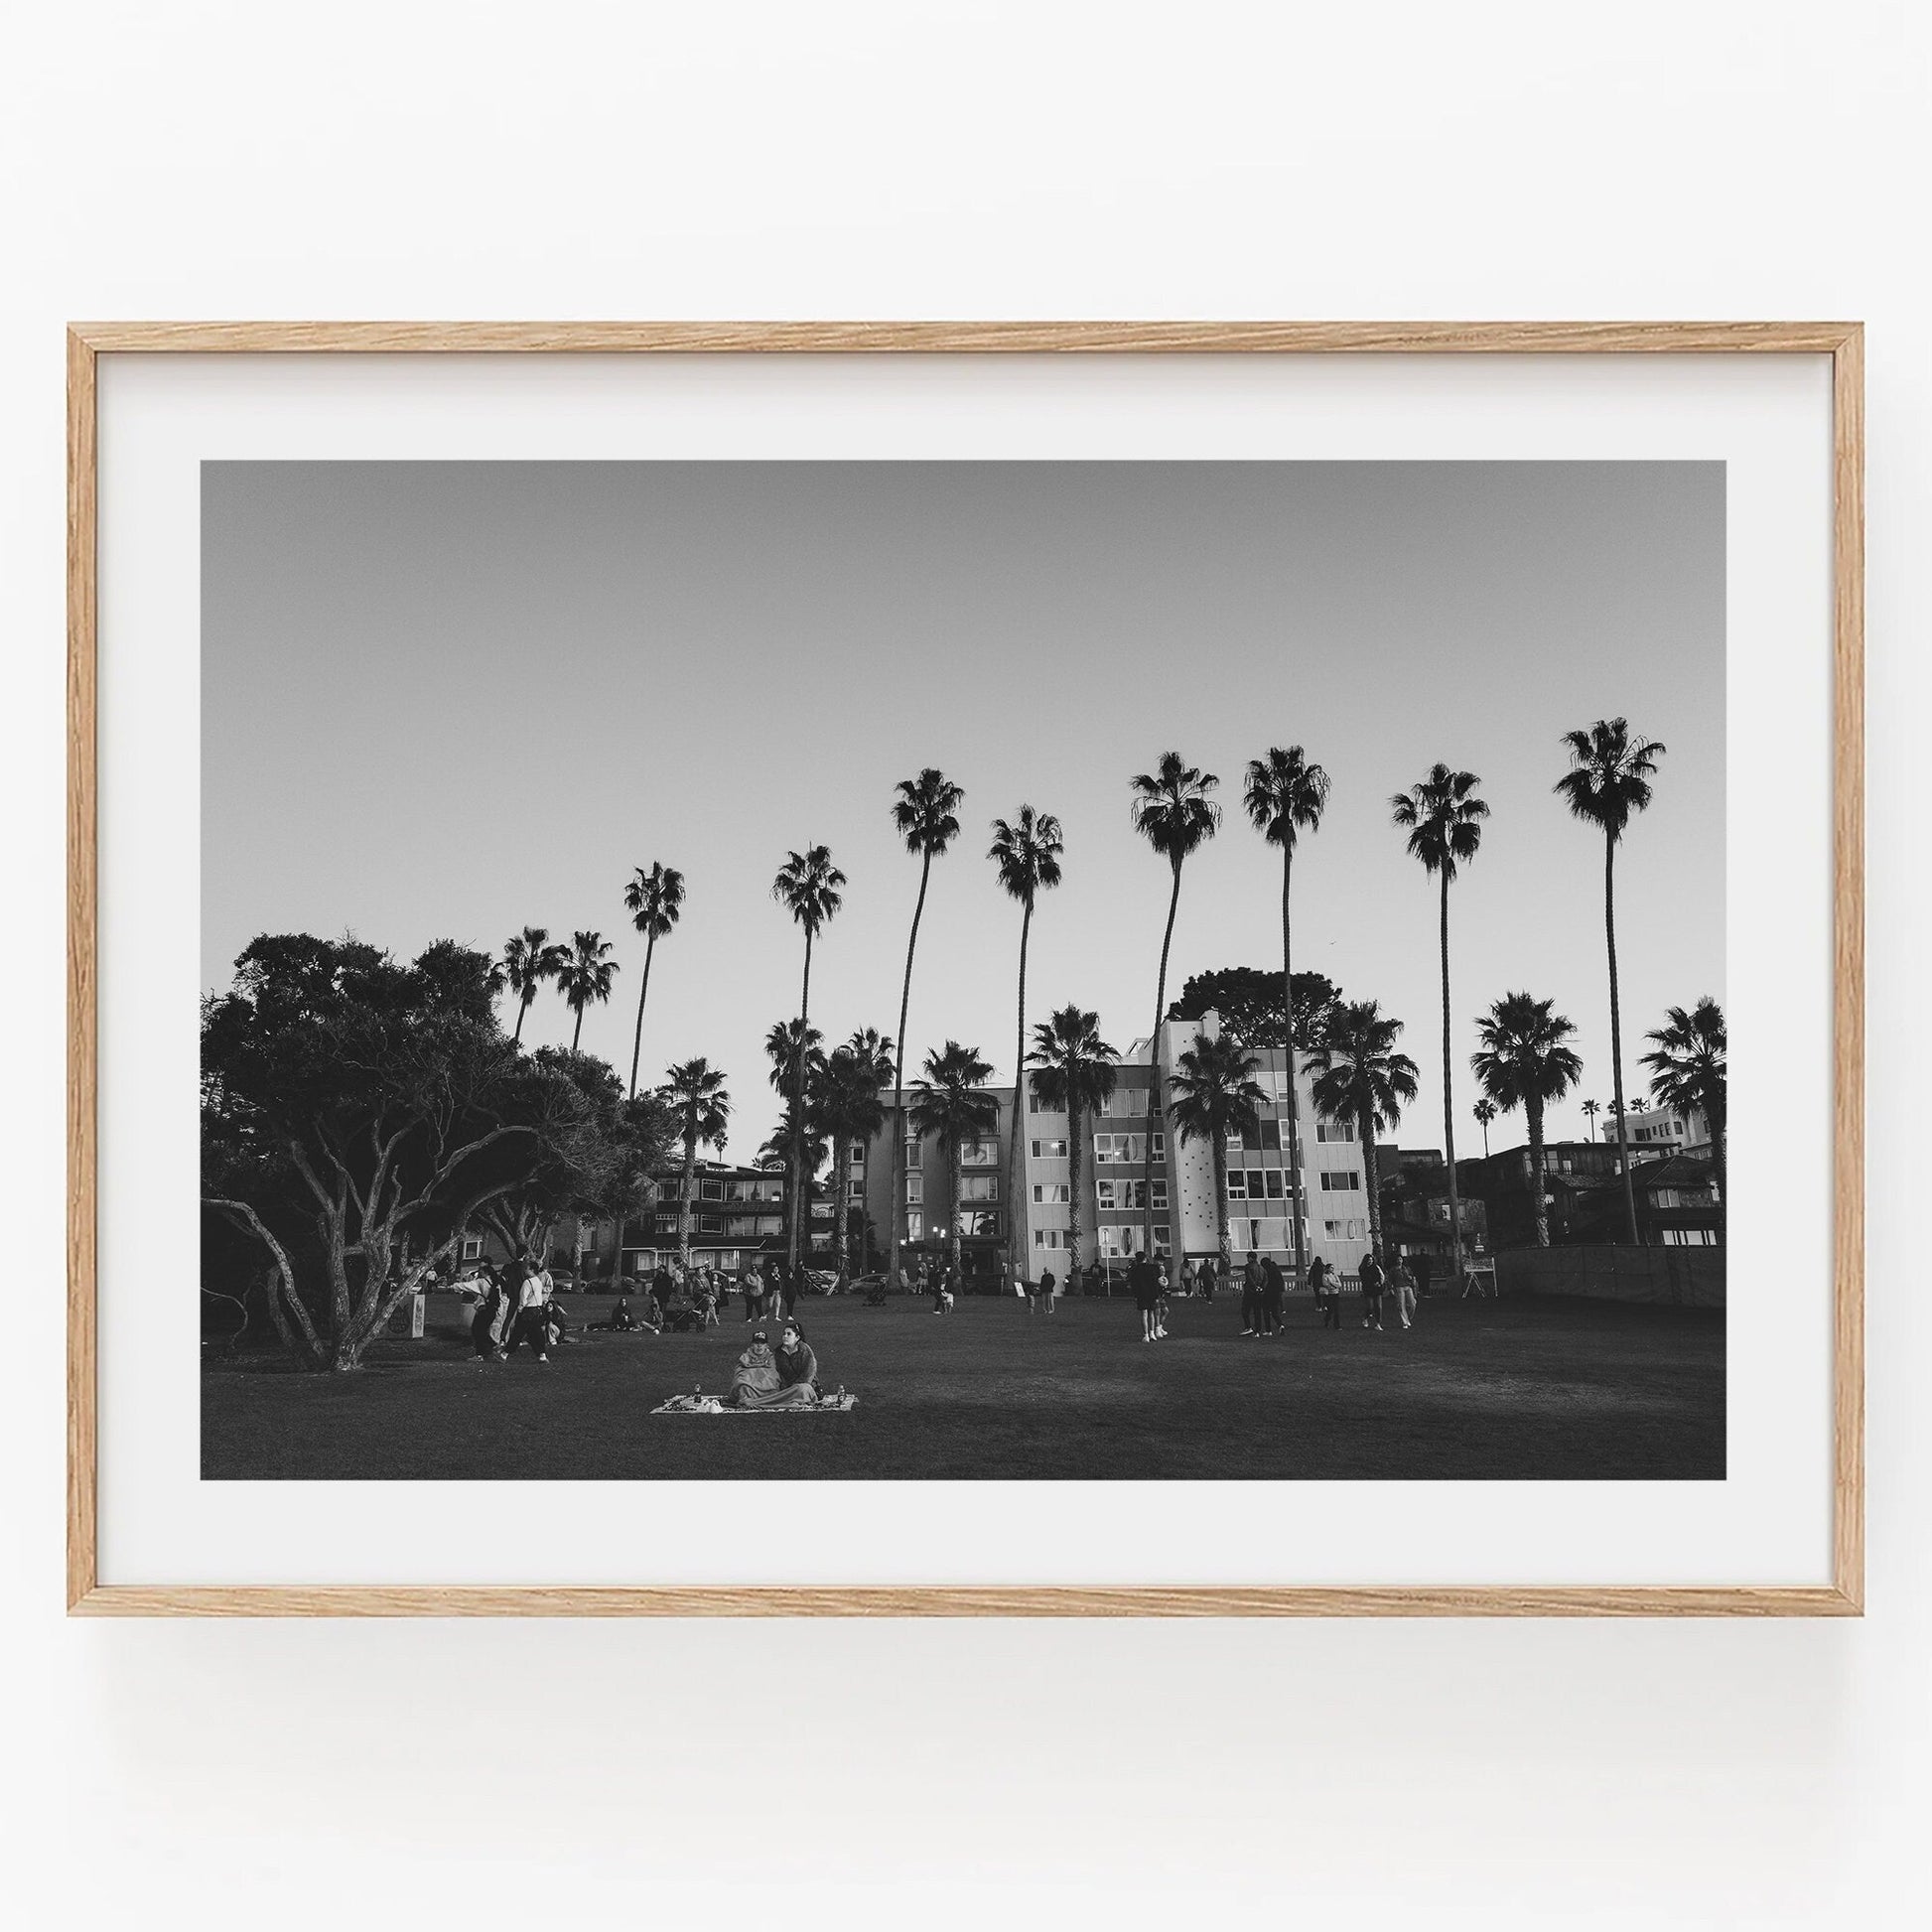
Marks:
<point>1841,342</point>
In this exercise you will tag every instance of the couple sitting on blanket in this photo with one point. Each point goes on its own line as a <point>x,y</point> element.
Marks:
<point>786,1380</point>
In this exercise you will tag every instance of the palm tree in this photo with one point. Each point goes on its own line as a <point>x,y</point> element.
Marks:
<point>950,1106</point>
<point>528,960</point>
<point>1028,854</point>
<point>926,817</point>
<point>1591,1111</point>
<point>1174,814</point>
<point>1285,796</point>
<point>1216,1095</point>
<point>584,977</point>
<point>1444,817</point>
<point>695,1091</point>
<point>849,1109</point>
<point>1608,779</point>
<point>1689,1073</point>
<point>811,889</point>
<point>1526,1062</point>
<point>1486,1112</point>
<point>782,1049</point>
<point>1075,1069</point>
<point>654,899</point>
<point>1359,1076</point>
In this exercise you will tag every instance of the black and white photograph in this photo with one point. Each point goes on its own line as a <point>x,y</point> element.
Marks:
<point>963,970</point>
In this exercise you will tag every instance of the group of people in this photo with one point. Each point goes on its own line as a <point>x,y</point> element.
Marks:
<point>783,1378</point>
<point>518,1306</point>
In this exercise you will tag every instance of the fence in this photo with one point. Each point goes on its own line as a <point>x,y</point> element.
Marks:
<point>1682,1278</point>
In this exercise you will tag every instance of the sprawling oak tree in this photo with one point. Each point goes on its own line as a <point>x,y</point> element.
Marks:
<point>358,1114</point>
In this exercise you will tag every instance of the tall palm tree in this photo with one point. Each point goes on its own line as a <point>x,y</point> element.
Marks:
<point>528,960</point>
<point>1591,1111</point>
<point>1216,1094</point>
<point>584,977</point>
<point>1028,854</point>
<point>1285,796</point>
<point>1525,1060</point>
<point>1689,1073</point>
<point>1486,1112</point>
<point>1076,1076</point>
<point>811,889</point>
<point>925,815</point>
<point>1444,817</point>
<point>1359,1076</point>
<point>1608,779</point>
<point>948,1105</point>
<point>849,1109</point>
<point>782,1049</point>
<point>1175,813</point>
<point>874,1051</point>
<point>695,1091</point>
<point>654,899</point>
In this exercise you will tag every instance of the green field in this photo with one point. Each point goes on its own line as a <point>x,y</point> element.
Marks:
<point>1524,1388</point>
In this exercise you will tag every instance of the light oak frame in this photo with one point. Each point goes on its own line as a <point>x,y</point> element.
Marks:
<point>1843,342</point>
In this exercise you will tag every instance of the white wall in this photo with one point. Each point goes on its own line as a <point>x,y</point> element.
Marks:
<point>1662,158</point>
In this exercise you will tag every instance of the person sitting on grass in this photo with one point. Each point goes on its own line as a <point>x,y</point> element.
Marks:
<point>798,1365</point>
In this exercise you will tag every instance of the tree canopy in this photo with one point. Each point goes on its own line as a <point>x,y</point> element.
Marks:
<point>1249,1001</point>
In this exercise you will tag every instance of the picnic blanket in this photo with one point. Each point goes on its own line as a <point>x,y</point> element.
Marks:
<point>711,1405</point>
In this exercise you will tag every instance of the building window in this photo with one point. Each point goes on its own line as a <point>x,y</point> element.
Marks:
<point>1341,1183</point>
<point>915,1190</point>
<point>979,1221</point>
<point>1236,1144</point>
<point>1125,1103</point>
<point>979,1153</point>
<point>473,1247</point>
<point>975,1186</point>
<point>1049,1150</point>
<point>1052,1194</point>
<point>710,1224</point>
<point>915,1150</point>
<point>915,1225</point>
<point>711,1190</point>
<point>1334,1130</point>
<point>1049,1237</point>
<point>1036,1105</point>
<point>855,1192</point>
<point>1271,1137</point>
<point>771,1225</point>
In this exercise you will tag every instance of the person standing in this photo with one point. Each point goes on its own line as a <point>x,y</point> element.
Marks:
<point>660,1290</point>
<point>531,1324</point>
<point>1321,1278</point>
<point>1144,1280</point>
<point>1251,1286</point>
<point>1043,1290</point>
<point>1273,1291</point>
<point>1373,1282</point>
<point>1404,1283</point>
<point>493,1316</point>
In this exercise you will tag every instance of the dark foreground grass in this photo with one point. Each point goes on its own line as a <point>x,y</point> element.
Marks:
<point>1521,1389</point>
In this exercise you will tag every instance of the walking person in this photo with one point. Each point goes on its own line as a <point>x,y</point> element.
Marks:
<point>1273,1291</point>
<point>493,1316</point>
<point>1321,1278</point>
<point>1161,1300</point>
<point>531,1323</point>
<point>1251,1286</point>
<point>1144,1280</point>
<point>1404,1283</point>
<point>1373,1282</point>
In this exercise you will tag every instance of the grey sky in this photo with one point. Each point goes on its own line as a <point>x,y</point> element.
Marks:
<point>453,699</point>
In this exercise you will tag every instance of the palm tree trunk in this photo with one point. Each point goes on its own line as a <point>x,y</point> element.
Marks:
<point>1153,1108</point>
<point>799,1188</point>
<point>1294,1095</point>
<point>523,1008</point>
<point>637,1038</point>
<point>684,1203</point>
<point>953,1167</point>
<point>1617,1037</point>
<point>1015,1168</point>
<point>1533,1106</point>
<point>1073,1190</point>
<point>839,1211</point>
<point>577,1032</point>
<point>1365,1133</point>
<point>1449,1103</point>
<point>899,1071</point>
<point>1223,1246</point>
<point>1714,1121</point>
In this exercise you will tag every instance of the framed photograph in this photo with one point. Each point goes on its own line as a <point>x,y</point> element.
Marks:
<point>928,968</point>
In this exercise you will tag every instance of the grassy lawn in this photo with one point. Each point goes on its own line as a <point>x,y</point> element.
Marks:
<point>1526,1388</point>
